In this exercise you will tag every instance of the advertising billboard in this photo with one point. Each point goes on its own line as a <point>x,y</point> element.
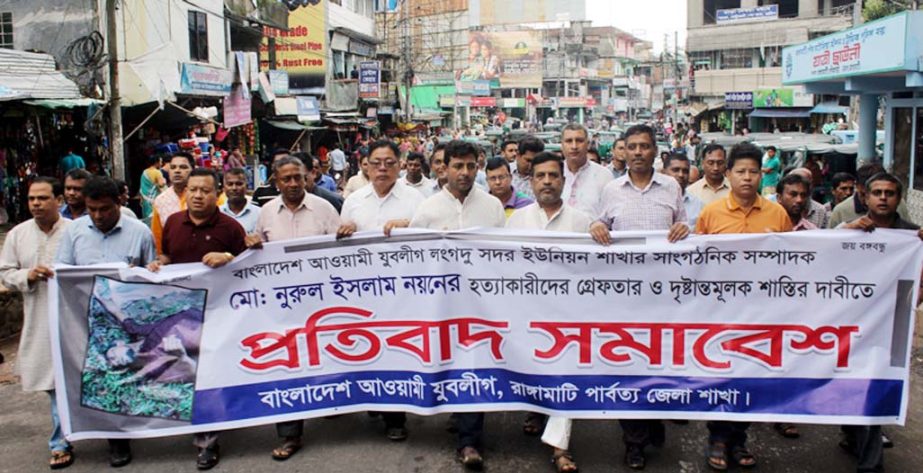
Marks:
<point>512,57</point>
<point>302,49</point>
<point>498,12</point>
<point>782,97</point>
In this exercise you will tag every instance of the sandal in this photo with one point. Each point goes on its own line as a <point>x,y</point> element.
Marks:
<point>397,434</point>
<point>634,457</point>
<point>471,458</point>
<point>789,431</point>
<point>287,449</point>
<point>534,424</point>
<point>717,456</point>
<point>742,457</point>
<point>207,458</point>
<point>563,462</point>
<point>61,459</point>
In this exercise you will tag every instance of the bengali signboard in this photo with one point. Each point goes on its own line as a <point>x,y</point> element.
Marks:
<point>512,57</point>
<point>877,46</point>
<point>278,80</point>
<point>237,106</point>
<point>204,80</point>
<point>302,49</point>
<point>744,15</point>
<point>494,320</point>
<point>738,100</point>
<point>369,79</point>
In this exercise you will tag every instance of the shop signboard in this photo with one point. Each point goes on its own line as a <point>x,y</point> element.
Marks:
<point>237,106</point>
<point>479,88</point>
<point>278,80</point>
<point>204,80</point>
<point>781,97</point>
<point>447,101</point>
<point>302,49</point>
<point>875,47</point>
<point>513,57</point>
<point>483,102</point>
<point>744,15</point>
<point>575,102</point>
<point>308,109</point>
<point>369,79</point>
<point>462,101</point>
<point>513,103</point>
<point>738,100</point>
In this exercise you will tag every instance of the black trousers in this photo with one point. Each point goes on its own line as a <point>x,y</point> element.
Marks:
<point>470,429</point>
<point>292,428</point>
<point>642,432</point>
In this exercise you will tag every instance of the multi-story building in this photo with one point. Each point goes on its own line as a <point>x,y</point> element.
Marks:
<point>736,46</point>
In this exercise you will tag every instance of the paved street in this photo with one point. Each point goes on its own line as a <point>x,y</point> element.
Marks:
<point>356,443</point>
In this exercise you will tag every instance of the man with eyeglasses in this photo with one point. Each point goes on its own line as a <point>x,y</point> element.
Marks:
<point>385,204</point>
<point>499,183</point>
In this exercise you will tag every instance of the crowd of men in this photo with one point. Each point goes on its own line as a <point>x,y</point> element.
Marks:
<point>207,218</point>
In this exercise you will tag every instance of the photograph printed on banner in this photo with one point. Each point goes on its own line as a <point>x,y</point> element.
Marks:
<point>143,349</point>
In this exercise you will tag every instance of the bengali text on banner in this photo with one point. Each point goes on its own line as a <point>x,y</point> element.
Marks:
<point>808,327</point>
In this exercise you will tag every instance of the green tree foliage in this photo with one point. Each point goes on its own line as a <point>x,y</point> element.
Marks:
<point>875,9</point>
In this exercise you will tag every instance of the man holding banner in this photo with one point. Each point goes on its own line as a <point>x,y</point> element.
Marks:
<point>642,199</point>
<point>104,236</point>
<point>201,234</point>
<point>744,210</point>
<point>462,205</point>
<point>549,213</point>
<point>293,214</point>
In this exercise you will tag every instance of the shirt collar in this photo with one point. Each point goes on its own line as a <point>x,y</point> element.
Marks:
<point>733,205</point>
<point>226,208</point>
<point>211,222</point>
<point>511,202</point>
<point>655,179</point>
<point>116,228</point>
<point>724,185</point>
<point>303,205</point>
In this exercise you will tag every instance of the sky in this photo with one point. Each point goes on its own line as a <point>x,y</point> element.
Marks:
<point>646,19</point>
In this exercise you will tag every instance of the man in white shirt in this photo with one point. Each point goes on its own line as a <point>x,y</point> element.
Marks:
<point>338,163</point>
<point>550,213</point>
<point>385,203</point>
<point>461,205</point>
<point>415,178</point>
<point>677,166</point>
<point>584,180</point>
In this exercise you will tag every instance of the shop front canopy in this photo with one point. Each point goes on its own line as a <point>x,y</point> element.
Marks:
<point>781,113</point>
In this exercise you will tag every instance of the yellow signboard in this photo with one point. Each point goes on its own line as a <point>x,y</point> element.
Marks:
<point>302,50</point>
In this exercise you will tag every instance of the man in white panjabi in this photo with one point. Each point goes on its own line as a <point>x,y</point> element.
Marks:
<point>550,213</point>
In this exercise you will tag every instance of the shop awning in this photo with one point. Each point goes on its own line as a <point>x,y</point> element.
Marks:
<point>293,126</point>
<point>830,107</point>
<point>64,103</point>
<point>425,98</point>
<point>33,76</point>
<point>781,113</point>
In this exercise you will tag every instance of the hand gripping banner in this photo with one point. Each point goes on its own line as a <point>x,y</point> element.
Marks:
<point>811,327</point>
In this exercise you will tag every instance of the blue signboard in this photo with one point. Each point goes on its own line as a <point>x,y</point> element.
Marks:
<point>738,100</point>
<point>740,15</point>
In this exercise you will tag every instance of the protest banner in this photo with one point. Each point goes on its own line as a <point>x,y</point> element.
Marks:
<point>810,327</point>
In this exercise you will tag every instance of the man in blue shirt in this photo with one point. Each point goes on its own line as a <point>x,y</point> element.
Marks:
<point>237,207</point>
<point>74,206</point>
<point>71,161</point>
<point>104,236</point>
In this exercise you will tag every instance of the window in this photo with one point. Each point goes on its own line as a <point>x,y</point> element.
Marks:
<point>198,36</point>
<point>6,30</point>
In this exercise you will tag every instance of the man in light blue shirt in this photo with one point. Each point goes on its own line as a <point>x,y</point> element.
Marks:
<point>237,207</point>
<point>104,236</point>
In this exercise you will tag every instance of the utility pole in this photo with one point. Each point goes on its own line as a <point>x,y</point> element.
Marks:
<point>675,76</point>
<point>408,66</point>
<point>116,150</point>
